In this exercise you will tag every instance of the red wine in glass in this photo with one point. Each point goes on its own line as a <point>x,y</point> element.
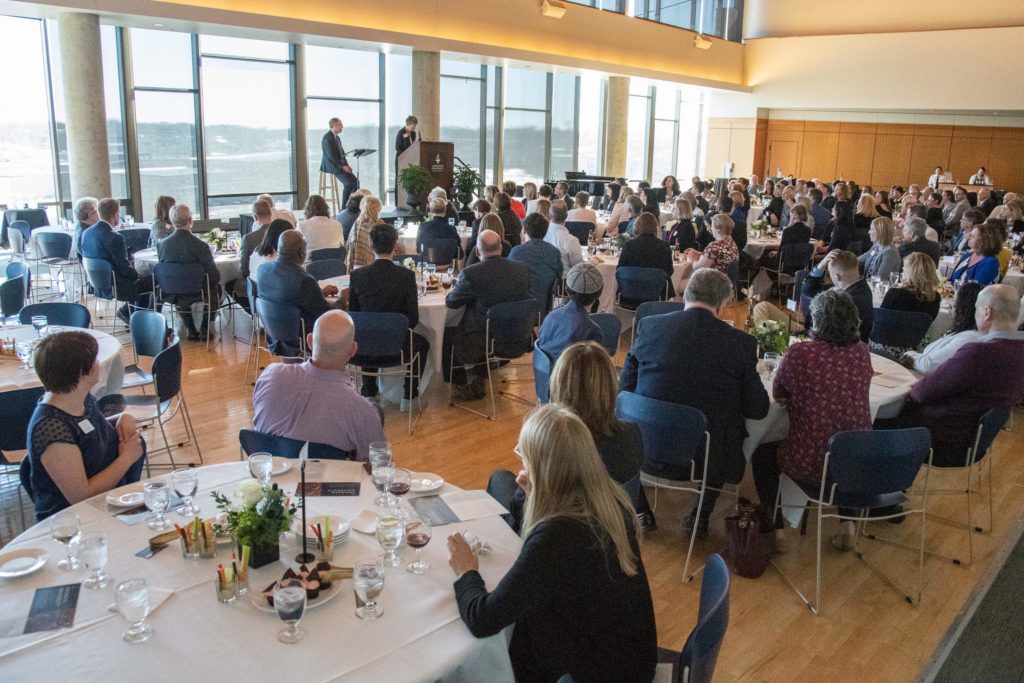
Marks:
<point>417,539</point>
<point>399,488</point>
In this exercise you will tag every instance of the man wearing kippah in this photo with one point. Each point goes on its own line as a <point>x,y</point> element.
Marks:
<point>571,323</point>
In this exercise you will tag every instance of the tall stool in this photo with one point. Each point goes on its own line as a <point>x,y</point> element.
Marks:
<point>329,191</point>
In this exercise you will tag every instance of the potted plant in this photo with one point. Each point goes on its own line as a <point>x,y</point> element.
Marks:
<point>416,181</point>
<point>467,182</point>
<point>260,517</point>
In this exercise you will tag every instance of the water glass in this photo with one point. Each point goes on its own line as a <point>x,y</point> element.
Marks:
<point>383,476</point>
<point>771,363</point>
<point>417,535</point>
<point>380,456</point>
<point>451,222</point>
<point>39,323</point>
<point>186,483</point>
<point>894,278</point>
<point>368,582</point>
<point>261,466</point>
<point>157,496</point>
<point>390,532</point>
<point>24,351</point>
<point>91,549</point>
<point>477,545</point>
<point>290,603</point>
<point>132,600</point>
<point>398,223</point>
<point>65,527</point>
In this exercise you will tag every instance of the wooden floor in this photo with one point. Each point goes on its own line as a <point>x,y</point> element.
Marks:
<point>866,631</point>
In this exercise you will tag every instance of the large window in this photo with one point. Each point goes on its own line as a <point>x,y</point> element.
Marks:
<point>398,106</point>
<point>462,92</point>
<point>611,5</point>
<point>722,18</point>
<point>638,138</point>
<point>590,133</point>
<point>563,125</point>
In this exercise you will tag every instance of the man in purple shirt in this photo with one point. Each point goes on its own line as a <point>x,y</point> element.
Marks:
<point>317,400</point>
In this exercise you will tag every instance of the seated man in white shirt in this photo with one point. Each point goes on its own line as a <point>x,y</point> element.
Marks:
<point>964,331</point>
<point>560,237</point>
<point>320,230</point>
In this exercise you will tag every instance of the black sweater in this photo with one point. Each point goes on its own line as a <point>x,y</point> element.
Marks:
<point>899,299</point>
<point>574,611</point>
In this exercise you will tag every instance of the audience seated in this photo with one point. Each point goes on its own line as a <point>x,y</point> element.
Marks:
<point>694,358</point>
<point>360,251</point>
<point>682,233</point>
<point>74,452</point>
<point>726,206</point>
<point>262,218</point>
<point>161,226</point>
<point>578,593</point>
<point>647,250</point>
<point>619,211</point>
<point>981,263</point>
<point>285,281</point>
<point>582,213</point>
<point>317,400</point>
<point>266,252</point>
<point>181,246</point>
<point>490,222</point>
<point>954,210</point>
<point>824,384</point>
<point>961,239</point>
<point>914,240</point>
<point>319,229</point>
<point>438,227</point>
<point>86,215</point>
<point>502,206</point>
<point>797,232</point>
<point>101,242</point>
<point>558,236</point>
<point>863,219</point>
<point>276,213</point>
<point>882,259</point>
<point>721,253</point>
<point>530,196</point>
<point>963,331</point>
<point>918,290</point>
<point>347,216</point>
<point>822,214</point>
<point>543,260</point>
<point>481,208</point>
<point>571,323</point>
<point>384,287</point>
<point>634,207</point>
<point>518,207</point>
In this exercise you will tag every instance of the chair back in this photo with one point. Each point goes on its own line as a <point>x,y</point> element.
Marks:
<point>100,276</point>
<point>332,253</point>
<point>252,441</point>
<point>733,271</point>
<point>53,245</point>
<point>323,451</point>
<point>179,279</point>
<point>326,268</point>
<point>700,653</point>
<point>16,268</point>
<point>17,407</point>
<point>673,434</point>
<point>638,285</point>
<point>611,328</point>
<point>510,326</point>
<point>439,250</point>
<point>22,227</point>
<point>245,223</point>
<point>623,226</point>
<point>12,296</point>
<point>795,256</point>
<point>580,230</point>
<point>283,325</point>
<point>632,489</point>
<point>135,239</point>
<point>18,242</point>
<point>57,313</point>
<point>649,308</point>
<point>543,364</point>
<point>149,332</point>
<point>167,372</point>
<point>900,329</point>
<point>868,463</point>
<point>382,337</point>
<point>989,426</point>
<point>798,283</point>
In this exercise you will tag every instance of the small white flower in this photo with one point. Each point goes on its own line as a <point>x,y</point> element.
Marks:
<point>249,492</point>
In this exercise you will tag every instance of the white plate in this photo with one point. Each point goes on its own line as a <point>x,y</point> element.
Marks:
<point>281,465</point>
<point>426,481</point>
<point>125,500</point>
<point>21,562</point>
<point>259,601</point>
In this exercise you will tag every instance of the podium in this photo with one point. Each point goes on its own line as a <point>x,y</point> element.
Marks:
<point>437,157</point>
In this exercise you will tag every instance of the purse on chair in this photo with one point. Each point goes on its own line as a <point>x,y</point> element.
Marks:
<point>751,539</point>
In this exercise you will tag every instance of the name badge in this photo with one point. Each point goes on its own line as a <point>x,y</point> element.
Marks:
<point>85,426</point>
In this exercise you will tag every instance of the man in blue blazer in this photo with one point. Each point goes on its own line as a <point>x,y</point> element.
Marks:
<point>181,247</point>
<point>334,159</point>
<point>101,242</point>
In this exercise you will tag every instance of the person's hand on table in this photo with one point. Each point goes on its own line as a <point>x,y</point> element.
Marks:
<point>329,290</point>
<point>461,559</point>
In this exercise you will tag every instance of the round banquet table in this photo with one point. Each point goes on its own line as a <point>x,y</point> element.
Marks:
<point>606,264</point>
<point>757,247</point>
<point>14,376</point>
<point>420,636</point>
<point>753,214</point>
<point>226,262</point>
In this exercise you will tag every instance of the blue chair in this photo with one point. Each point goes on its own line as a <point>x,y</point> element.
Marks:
<point>581,230</point>
<point>100,276</point>
<point>733,271</point>
<point>17,407</point>
<point>21,226</point>
<point>135,239</point>
<point>440,251</point>
<point>252,441</point>
<point>700,653</point>
<point>649,308</point>
<point>385,343</point>
<point>168,400</point>
<point>611,328</point>
<point>54,252</point>
<point>867,470</point>
<point>284,327</point>
<point>895,332</point>
<point>508,335</point>
<point>543,364</point>
<point>623,226</point>
<point>188,280</point>
<point>638,285</point>
<point>332,253</point>
<point>19,268</point>
<point>149,338</point>
<point>57,313</point>
<point>12,298</point>
<point>325,269</point>
<point>676,444</point>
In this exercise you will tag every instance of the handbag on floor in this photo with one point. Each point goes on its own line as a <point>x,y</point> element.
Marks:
<point>751,539</point>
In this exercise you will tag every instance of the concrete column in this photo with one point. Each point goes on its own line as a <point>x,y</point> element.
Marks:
<point>616,126</point>
<point>82,63</point>
<point>426,93</point>
<point>301,134</point>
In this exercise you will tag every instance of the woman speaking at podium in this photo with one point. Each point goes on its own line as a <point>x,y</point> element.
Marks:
<point>403,141</point>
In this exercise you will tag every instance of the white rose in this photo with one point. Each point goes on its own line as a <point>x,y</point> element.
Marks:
<point>249,492</point>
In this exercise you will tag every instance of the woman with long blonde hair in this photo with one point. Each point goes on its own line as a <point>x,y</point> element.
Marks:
<point>918,292</point>
<point>360,251</point>
<point>579,563</point>
<point>620,212</point>
<point>530,195</point>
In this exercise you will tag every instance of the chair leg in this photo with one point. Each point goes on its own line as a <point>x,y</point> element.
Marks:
<point>693,532</point>
<point>190,431</point>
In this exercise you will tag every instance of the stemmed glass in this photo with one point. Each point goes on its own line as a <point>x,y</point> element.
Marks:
<point>92,551</point>
<point>383,476</point>
<point>261,467</point>
<point>401,484</point>
<point>417,535</point>
<point>24,351</point>
<point>157,497</point>
<point>451,222</point>
<point>368,579</point>
<point>771,363</point>
<point>65,527</point>
<point>39,323</point>
<point>380,457</point>
<point>894,278</point>
<point>186,483</point>
<point>398,223</point>
<point>132,600</point>
<point>290,603</point>
<point>390,530</point>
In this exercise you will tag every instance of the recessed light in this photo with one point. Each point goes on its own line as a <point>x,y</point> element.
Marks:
<point>158,25</point>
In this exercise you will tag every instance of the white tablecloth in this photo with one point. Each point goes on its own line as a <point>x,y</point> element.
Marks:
<point>50,229</point>
<point>227,264</point>
<point>14,376</point>
<point>757,248</point>
<point>680,272</point>
<point>754,214</point>
<point>420,636</point>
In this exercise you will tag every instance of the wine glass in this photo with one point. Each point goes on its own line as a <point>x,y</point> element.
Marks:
<point>91,549</point>
<point>157,496</point>
<point>390,531</point>
<point>39,323</point>
<point>451,222</point>
<point>261,466</point>
<point>186,483</point>
<point>400,484</point>
<point>65,527</point>
<point>24,351</point>
<point>132,600</point>
<point>874,281</point>
<point>398,223</point>
<point>771,363</point>
<point>417,535</point>
<point>383,476</point>
<point>894,278</point>
<point>446,280</point>
<point>368,580</point>
<point>290,603</point>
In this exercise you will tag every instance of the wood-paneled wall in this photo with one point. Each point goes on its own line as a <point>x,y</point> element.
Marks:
<point>881,154</point>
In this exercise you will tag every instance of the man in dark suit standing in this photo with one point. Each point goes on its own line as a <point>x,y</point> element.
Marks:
<point>383,287</point>
<point>693,358</point>
<point>285,281</point>
<point>181,246</point>
<point>102,243</point>
<point>494,280</point>
<point>334,160</point>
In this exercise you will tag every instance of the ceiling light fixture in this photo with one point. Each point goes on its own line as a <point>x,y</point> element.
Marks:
<point>701,43</point>
<point>555,10</point>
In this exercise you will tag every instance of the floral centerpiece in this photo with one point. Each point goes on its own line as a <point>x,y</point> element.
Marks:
<point>771,336</point>
<point>621,239</point>
<point>261,515</point>
<point>216,238</point>
<point>759,227</point>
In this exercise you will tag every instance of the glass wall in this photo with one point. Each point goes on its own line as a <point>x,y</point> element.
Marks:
<point>721,18</point>
<point>588,121</point>
<point>398,105</point>
<point>563,125</point>
<point>462,93</point>
<point>637,158</point>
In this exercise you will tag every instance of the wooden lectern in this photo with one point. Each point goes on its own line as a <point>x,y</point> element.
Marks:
<point>437,157</point>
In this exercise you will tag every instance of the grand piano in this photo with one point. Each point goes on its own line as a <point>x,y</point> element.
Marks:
<point>591,184</point>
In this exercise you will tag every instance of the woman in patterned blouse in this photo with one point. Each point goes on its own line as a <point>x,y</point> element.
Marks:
<point>721,253</point>
<point>824,385</point>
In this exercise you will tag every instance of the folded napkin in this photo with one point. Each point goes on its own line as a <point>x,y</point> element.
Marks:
<point>157,597</point>
<point>365,522</point>
<point>596,260</point>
